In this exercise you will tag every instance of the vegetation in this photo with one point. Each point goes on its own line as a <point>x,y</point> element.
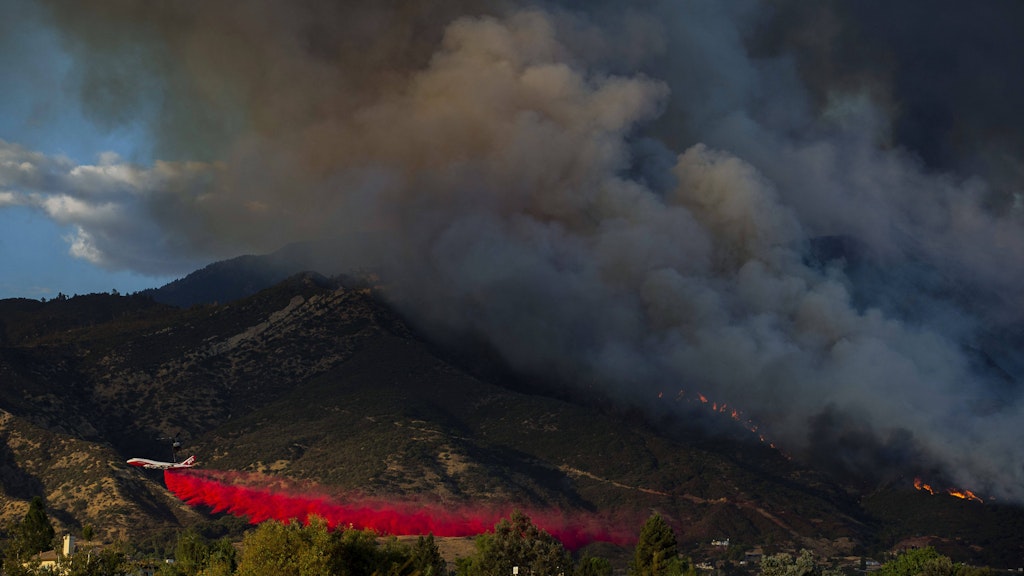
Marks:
<point>805,564</point>
<point>517,546</point>
<point>111,561</point>
<point>593,566</point>
<point>328,386</point>
<point>657,551</point>
<point>35,533</point>
<point>32,535</point>
<point>927,562</point>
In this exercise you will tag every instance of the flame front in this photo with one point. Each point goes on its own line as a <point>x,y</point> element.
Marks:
<point>733,413</point>
<point>963,494</point>
<point>920,485</point>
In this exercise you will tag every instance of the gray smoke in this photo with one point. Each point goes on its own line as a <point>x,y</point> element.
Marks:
<point>756,201</point>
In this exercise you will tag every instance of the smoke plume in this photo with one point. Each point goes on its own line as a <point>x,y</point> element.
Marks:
<point>261,498</point>
<point>813,212</point>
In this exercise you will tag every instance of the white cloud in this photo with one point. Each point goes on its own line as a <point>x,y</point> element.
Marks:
<point>82,246</point>
<point>9,198</point>
<point>111,206</point>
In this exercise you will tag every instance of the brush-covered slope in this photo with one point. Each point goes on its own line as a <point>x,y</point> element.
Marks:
<point>314,381</point>
<point>83,483</point>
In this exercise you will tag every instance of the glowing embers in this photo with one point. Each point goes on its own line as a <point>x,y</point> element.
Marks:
<point>956,492</point>
<point>261,498</point>
<point>725,409</point>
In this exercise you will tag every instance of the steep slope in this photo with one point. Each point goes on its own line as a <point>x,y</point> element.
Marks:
<point>83,483</point>
<point>315,382</point>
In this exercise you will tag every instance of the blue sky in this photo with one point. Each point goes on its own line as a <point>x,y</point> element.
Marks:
<point>38,114</point>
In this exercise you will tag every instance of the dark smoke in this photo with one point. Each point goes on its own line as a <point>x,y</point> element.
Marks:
<point>812,211</point>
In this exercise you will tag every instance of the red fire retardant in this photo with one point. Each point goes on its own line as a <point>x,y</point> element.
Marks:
<point>261,498</point>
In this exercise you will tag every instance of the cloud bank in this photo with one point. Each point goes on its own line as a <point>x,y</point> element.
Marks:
<point>770,203</point>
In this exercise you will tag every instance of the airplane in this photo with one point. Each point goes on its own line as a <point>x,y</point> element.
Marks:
<point>156,465</point>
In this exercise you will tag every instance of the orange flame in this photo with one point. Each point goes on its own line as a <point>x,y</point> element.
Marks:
<point>963,494</point>
<point>724,408</point>
<point>920,485</point>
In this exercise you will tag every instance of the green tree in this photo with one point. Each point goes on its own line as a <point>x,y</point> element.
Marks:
<point>191,552</point>
<point>357,554</point>
<point>927,562</point>
<point>803,565</point>
<point>111,561</point>
<point>910,563</point>
<point>35,533</point>
<point>15,566</point>
<point>517,542</point>
<point>425,558</point>
<point>593,566</point>
<point>273,549</point>
<point>276,549</point>
<point>656,552</point>
<point>222,560</point>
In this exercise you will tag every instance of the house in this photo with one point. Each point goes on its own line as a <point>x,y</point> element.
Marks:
<point>49,558</point>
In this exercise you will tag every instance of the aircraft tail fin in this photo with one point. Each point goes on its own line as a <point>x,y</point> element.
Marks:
<point>190,461</point>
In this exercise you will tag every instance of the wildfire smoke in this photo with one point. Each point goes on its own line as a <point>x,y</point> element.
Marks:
<point>622,194</point>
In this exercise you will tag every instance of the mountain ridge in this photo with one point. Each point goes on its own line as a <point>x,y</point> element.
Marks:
<point>317,379</point>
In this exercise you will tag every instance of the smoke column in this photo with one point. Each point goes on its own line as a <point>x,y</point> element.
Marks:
<point>811,211</point>
<point>261,498</point>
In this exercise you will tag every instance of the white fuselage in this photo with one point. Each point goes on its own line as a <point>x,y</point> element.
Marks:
<point>157,465</point>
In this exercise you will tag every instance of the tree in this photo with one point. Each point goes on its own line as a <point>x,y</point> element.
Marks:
<point>656,552</point>
<point>274,549</point>
<point>785,565</point>
<point>111,561</point>
<point>356,554</point>
<point>426,559</point>
<point>191,552</point>
<point>926,562</point>
<point>517,542</point>
<point>35,532</point>
<point>222,559</point>
<point>593,566</point>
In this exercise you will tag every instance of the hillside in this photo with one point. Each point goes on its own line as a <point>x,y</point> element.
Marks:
<point>318,381</point>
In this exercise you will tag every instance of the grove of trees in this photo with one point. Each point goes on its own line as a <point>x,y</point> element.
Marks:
<point>516,546</point>
<point>928,562</point>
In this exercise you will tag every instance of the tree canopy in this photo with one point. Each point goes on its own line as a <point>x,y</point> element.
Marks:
<point>657,552</point>
<point>36,530</point>
<point>805,564</point>
<point>927,562</point>
<point>34,533</point>
<point>518,543</point>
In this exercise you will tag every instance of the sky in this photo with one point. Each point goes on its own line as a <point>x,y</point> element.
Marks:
<point>813,212</point>
<point>41,114</point>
